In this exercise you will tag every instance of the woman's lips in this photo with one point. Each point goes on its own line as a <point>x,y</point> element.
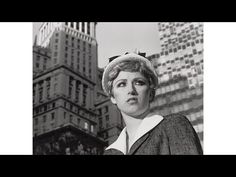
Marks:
<point>132,100</point>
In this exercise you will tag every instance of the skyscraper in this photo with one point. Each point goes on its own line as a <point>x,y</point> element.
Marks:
<point>64,89</point>
<point>179,66</point>
<point>181,52</point>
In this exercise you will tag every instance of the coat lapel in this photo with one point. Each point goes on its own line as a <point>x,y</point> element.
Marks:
<point>142,133</point>
<point>138,143</point>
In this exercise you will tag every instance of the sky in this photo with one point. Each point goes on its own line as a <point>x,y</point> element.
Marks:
<point>119,38</point>
<point>116,38</point>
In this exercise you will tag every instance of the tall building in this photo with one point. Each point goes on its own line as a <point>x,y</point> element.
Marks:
<point>181,52</point>
<point>179,67</point>
<point>64,89</point>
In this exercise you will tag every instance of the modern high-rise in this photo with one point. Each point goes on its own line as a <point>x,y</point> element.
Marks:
<point>64,89</point>
<point>181,52</point>
<point>179,67</point>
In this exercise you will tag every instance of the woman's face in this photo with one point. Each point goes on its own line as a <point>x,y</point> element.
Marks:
<point>131,93</point>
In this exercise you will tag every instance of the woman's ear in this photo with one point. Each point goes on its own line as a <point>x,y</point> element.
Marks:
<point>113,100</point>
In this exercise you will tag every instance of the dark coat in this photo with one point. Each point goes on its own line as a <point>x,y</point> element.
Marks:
<point>174,135</point>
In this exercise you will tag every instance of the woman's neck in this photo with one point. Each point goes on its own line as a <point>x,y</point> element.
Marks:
<point>132,123</point>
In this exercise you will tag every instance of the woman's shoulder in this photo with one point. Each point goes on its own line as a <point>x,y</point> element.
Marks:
<point>172,122</point>
<point>176,118</point>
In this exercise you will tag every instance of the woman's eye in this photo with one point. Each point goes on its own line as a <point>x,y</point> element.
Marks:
<point>121,84</point>
<point>140,82</point>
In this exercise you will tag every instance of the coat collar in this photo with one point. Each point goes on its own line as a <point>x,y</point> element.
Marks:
<point>146,125</point>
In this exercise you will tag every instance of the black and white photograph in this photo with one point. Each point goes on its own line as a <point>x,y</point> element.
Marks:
<point>117,88</point>
<point>112,88</point>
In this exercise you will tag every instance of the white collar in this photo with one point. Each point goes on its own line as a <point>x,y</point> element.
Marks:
<point>146,125</point>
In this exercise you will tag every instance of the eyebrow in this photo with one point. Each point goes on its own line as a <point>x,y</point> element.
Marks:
<point>120,80</point>
<point>137,78</point>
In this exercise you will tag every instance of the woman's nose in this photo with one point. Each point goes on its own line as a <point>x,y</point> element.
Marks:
<point>132,90</point>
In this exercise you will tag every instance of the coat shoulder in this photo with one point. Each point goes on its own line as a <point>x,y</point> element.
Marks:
<point>175,117</point>
<point>176,120</point>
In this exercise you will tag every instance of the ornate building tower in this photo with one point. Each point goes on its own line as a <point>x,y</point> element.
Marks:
<point>64,89</point>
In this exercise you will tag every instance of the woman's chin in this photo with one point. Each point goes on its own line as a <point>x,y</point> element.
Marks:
<point>135,112</point>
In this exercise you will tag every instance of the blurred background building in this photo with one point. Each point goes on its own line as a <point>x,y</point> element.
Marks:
<point>180,72</point>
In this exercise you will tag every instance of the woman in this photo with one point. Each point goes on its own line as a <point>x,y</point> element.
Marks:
<point>130,81</point>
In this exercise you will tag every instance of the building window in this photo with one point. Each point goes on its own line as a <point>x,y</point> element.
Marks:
<point>84,46</point>
<point>71,118</point>
<point>100,111</point>
<point>52,115</point>
<point>64,115</point>
<point>84,94</point>
<point>83,27</point>
<point>70,86</point>
<point>106,109</point>
<point>78,121</point>
<point>107,125</point>
<point>92,128</point>
<point>55,88</point>
<point>88,28</point>
<point>77,25</point>
<point>40,91</point>
<point>37,65</point>
<point>100,121</point>
<point>64,104</point>
<point>192,62</point>
<point>86,125</point>
<point>190,82</point>
<point>44,118</point>
<point>71,107</point>
<point>38,58</point>
<point>72,24</point>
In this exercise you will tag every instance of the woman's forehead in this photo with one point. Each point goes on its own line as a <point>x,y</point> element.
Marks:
<point>129,75</point>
